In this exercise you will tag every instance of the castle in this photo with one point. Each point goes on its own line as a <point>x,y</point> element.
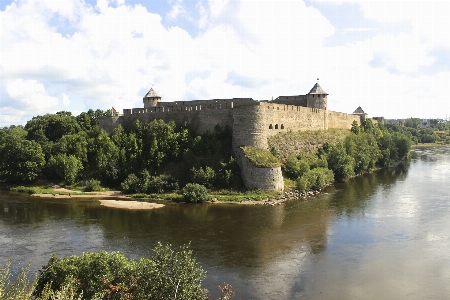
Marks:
<point>251,121</point>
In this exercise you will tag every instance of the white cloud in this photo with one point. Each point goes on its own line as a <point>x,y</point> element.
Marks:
<point>65,100</point>
<point>109,56</point>
<point>358,29</point>
<point>30,95</point>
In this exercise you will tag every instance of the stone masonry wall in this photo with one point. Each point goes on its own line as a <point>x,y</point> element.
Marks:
<point>341,120</point>
<point>200,120</point>
<point>256,178</point>
<point>109,123</point>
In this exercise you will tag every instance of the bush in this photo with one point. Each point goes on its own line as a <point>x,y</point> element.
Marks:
<point>204,177</point>
<point>92,185</point>
<point>195,193</point>
<point>161,183</point>
<point>167,274</point>
<point>294,168</point>
<point>315,179</point>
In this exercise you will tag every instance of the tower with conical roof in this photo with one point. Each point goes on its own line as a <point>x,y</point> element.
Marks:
<point>317,97</point>
<point>151,99</point>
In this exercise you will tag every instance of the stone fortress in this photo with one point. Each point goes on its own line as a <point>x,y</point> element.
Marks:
<point>251,121</point>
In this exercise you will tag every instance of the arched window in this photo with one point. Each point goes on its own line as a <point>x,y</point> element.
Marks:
<point>276,126</point>
<point>282,126</point>
<point>270,126</point>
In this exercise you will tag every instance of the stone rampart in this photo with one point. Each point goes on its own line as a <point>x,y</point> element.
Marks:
<point>341,120</point>
<point>109,123</point>
<point>256,178</point>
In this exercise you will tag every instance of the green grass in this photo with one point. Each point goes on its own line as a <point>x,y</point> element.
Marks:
<point>260,157</point>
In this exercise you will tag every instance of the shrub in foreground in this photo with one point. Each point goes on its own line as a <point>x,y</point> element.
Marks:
<point>167,274</point>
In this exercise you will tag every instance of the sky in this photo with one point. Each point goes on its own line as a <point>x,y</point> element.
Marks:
<point>392,58</point>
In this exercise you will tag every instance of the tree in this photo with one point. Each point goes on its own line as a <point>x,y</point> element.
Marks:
<point>52,126</point>
<point>64,167</point>
<point>340,162</point>
<point>102,158</point>
<point>412,123</point>
<point>355,127</point>
<point>21,160</point>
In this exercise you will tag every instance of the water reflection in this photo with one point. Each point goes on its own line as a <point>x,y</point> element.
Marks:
<point>345,243</point>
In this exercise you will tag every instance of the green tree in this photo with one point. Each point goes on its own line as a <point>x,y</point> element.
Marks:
<point>413,123</point>
<point>64,167</point>
<point>340,162</point>
<point>21,160</point>
<point>103,159</point>
<point>364,149</point>
<point>355,127</point>
<point>52,126</point>
<point>72,144</point>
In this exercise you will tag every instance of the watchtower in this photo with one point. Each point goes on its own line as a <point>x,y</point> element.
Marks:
<point>151,99</point>
<point>317,98</point>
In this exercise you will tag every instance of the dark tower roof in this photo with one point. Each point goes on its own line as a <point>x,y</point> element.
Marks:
<point>317,90</point>
<point>152,94</point>
<point>359,110</point>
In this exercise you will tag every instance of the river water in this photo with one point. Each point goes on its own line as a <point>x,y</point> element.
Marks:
<point>384,235</point>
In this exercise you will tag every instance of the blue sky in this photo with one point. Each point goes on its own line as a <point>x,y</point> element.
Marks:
<point>392,58</point>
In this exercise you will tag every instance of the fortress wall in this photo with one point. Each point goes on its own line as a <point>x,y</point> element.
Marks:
<point>341,120</point>
<point>200,119</point>
<point>249,126</point>
<point>109,123</point>
<point>255,178</point>
<point>282,118</point>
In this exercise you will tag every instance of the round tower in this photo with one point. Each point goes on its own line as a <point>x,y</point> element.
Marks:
<point>317,98</point>
<point>151,99</point>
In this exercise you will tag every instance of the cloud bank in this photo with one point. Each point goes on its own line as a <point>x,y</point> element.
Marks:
<point>75,55</point>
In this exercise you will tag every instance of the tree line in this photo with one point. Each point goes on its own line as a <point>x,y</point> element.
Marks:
<point>159,157</point>
<point>369,146</point>
<point>150,157</point>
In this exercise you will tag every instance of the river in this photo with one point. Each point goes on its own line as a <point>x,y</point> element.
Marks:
<point>384,235</point>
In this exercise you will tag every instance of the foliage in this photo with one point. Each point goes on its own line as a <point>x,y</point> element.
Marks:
<point>21,160</point>
<point>315,179</point>
<point>195,193</point>
<point>52,127</point>
<point>92,185</point>
<point>166,274</point>
<point>260,157</point>
<point>355,127</point>
<point>413,122</point>
<point>17,289</point>
<point>146,183</point>
<point>65,167</point>
<point>340,162</point>
<point>203,176</point>
<point>364,149</point>
<point>294,167</point>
